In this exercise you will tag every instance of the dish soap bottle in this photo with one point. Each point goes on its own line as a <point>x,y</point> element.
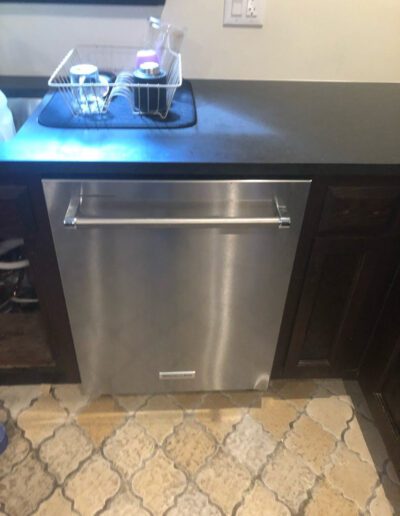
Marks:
<point>7,128</point>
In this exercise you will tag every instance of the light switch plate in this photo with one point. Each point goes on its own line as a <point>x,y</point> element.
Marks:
<point>244,13</point>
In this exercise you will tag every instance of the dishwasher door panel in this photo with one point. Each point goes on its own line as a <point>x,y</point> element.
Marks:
<point>175,285</point>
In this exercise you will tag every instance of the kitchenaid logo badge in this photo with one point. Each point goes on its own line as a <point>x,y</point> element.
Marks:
<point>177,375</point>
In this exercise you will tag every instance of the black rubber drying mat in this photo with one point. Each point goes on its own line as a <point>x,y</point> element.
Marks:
<point>119,116</point>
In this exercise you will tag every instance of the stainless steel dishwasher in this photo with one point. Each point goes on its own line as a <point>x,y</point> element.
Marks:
<point>175,285</point>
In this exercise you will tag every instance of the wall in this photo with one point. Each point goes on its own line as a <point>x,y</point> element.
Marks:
<point>351,40</point>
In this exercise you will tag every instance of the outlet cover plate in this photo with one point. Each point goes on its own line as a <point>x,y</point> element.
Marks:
<point>244,13</point>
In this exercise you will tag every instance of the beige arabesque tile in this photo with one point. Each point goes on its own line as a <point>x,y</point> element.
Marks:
<point>158,483</point>
<point>224,480</point>
<point>159,416</point>
<point>193,502</point>
<point>330,412</point>
<point>71,397</point>
<point>314,444</point>
<point>41,419</point>
<point>128,448</point>
<point>364,438</point>
<point>296,392</point>
<point>100,418</point>
<point>351,476</point>
<point>25,487</point>
<point>19,397</point>
<point>124,504</point>
<point>65,451</point>
<point>327,501</point>
<point>261,501</point>
<point>92,485</point>
<point>189,446</point>
<point>250,444</point>
<point>275,414</point>
<point>380,505</point>
<point>56,505</point>
<point>218,414</point>
<point>289,477</point>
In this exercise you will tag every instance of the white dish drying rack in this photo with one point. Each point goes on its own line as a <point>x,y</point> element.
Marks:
<point>95,98</point>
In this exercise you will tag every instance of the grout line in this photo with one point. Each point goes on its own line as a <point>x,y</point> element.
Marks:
<point>328,467</point>
<point>342,440</point>
<point>303,412</point>
<point>176,498</point>
<point>114,469</point>
<point>187,480</point>
<point>28,406</point>
<point>82,461</point>
<point>35,454</point>
<point>16,431</point>
<point>207,495</point>
<point>272,458</point>
<point>373,495</point>
<point>133,411</point>
<point>221,447</point>
<point>258,477</point>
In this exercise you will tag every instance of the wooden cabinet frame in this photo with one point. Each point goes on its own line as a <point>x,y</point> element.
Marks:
<point>31,222</point>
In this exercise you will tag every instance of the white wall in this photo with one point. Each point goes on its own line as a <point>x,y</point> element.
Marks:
<point>351,40</point>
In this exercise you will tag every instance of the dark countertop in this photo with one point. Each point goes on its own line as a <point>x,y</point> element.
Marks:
<point>241,122</point>
<point>23,86</point>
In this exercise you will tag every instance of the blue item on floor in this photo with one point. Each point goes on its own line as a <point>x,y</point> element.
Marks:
<point>3,439</point>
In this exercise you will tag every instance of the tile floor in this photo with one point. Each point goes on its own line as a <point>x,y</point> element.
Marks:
<point>305,447</point>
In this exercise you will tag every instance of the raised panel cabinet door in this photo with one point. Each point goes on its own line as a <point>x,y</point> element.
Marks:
<point>380,372</point>
<point>345,284</point>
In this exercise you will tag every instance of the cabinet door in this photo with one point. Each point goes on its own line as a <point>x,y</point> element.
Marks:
<point>386,408</point>
<point>391,391</point>
<point>344,287</point>
<point>380,372</point>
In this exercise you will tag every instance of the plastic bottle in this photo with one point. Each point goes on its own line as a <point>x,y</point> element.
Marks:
<point>7,128</point>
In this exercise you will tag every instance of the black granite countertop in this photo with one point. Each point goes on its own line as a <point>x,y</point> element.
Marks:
<point>254,123</point>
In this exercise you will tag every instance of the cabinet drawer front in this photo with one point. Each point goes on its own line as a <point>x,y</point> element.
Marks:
<point>16,218</point>
<point>360,209</point>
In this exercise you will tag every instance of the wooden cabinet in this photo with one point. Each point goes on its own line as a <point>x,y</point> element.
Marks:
<point>391,390</point>
<point>351,259</point>
<point>380,372</point>
<point>35,339</point>
<point>16,218</point>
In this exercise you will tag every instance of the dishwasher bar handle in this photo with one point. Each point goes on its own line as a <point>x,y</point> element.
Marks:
<point>72,219</point>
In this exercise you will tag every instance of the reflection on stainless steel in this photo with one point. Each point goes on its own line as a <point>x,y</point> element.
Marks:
<point>152,296</point>
<point>22,108</point>
<point>224,298</point>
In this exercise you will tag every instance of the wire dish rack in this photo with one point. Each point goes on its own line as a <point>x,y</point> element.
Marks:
<point>117,64</point>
